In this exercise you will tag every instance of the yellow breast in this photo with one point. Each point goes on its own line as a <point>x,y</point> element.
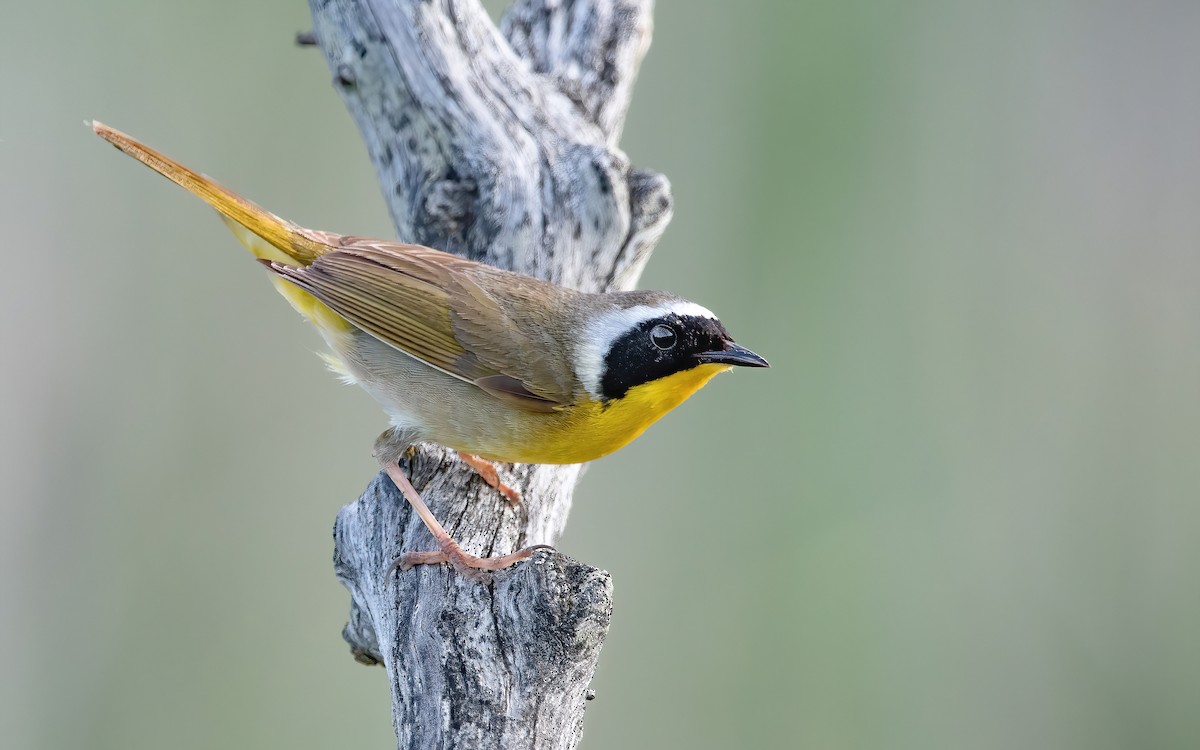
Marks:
<point>593,429</point>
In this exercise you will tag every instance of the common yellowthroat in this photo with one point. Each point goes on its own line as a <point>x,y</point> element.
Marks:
<point>497,365</point>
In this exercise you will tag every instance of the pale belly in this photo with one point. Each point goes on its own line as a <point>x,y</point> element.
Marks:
<point>438,408</point>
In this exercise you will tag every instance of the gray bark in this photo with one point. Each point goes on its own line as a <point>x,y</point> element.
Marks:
<point>498,144</point>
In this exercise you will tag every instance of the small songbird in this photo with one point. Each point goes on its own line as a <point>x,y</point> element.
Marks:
<point>496,365</point>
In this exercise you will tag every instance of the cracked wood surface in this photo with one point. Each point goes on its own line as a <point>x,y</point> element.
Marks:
<point>497,143</point>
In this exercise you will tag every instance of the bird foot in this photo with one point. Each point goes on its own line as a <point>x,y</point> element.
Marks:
<point>470,566</point>
<point>487,471</point>
<point>449,551</point>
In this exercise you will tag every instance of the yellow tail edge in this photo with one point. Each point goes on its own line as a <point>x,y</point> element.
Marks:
<point>250,223</point>
<point>262,232</point>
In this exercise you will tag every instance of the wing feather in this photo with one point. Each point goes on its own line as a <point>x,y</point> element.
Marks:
<point>424,303</point>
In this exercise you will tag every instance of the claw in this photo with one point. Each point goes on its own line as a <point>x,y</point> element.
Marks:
<point>470,566</point>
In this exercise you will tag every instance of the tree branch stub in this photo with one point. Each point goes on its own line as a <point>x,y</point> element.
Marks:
<point>498,144</point>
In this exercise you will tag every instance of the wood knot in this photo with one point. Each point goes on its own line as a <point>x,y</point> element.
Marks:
<point>450,205</point>
<point>345,76</point>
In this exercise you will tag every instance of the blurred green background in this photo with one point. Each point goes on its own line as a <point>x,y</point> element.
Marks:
<point>959,512</point>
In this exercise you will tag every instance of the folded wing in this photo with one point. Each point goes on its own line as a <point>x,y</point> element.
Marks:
<point>426,304</point>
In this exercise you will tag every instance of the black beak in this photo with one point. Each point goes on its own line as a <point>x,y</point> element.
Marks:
<point>732,354</point>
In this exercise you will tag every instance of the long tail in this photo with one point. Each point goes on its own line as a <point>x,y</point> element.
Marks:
<point>262,232</point>
<point>248,221</point>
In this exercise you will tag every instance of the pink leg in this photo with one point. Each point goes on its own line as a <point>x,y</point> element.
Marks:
<point>487,470</point>
<point>448,550</point>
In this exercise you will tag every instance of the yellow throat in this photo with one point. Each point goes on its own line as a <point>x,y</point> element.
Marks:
<point>589,430</point>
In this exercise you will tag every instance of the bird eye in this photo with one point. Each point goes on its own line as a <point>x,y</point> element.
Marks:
<point>663,336</point>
